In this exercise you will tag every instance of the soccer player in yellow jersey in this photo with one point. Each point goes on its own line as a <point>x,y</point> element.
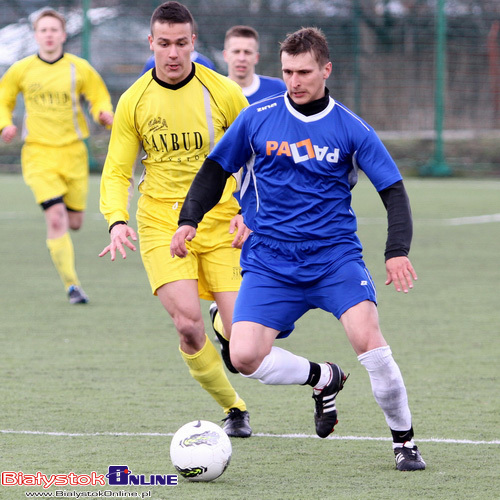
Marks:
<point>54,156</point>
<point>178,111</point>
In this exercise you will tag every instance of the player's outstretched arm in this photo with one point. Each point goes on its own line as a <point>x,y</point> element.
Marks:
<point>204,193</point>
<point>401,273</point>
<point>119,237</point>
<point>178,243</point>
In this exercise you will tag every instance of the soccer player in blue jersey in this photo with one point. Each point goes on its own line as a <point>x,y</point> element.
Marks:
<point>241,52</point>
<point>301,153</point>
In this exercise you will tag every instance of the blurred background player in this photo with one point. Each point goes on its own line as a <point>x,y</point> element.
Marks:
<point>195,57</point>
<point>54,157</point>
<point>178,112</point>
<point>241,53</point>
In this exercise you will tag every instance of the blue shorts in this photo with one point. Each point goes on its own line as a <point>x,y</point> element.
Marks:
<point>278,304</point>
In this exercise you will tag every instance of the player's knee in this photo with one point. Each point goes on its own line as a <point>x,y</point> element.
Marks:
<point>191,332</point>
<point>365,337</point>
<point>245,361</point>
<point>56,221</point>
<point>369,342</point>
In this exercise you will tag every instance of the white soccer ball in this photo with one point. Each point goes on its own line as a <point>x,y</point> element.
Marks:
<point>200,451</point>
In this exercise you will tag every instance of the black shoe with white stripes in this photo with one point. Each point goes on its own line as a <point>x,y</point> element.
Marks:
<point>325,412</point>
<point>408,458</point>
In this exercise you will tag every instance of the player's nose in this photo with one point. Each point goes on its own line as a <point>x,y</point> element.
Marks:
<point>295,80</point>
<point>173,53</point>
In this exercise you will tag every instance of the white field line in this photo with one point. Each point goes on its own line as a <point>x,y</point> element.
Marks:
<point>456,221</point>
<point>281,436</point>
<point>479,219</point>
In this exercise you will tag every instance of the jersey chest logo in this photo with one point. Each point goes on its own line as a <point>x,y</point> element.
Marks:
<point>302,151</point>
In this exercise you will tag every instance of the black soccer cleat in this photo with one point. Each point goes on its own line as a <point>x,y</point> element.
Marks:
<point>408,458</point>
<point>76,295</point>
<point>224,343</point>
<point>237,423</point>
<point>325,412</point>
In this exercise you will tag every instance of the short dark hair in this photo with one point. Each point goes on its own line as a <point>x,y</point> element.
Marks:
<point>172,13</point>
<point>307,40</point>
<point>241,31</point>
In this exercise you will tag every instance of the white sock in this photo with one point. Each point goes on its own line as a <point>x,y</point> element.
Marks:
<point>409,444</point>
<point>388,387</point>
<point>325,377</point>
<point>282,367</point>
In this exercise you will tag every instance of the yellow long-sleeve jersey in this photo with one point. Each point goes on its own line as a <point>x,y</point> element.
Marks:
<point>177,127</point>
<point>52,93</point>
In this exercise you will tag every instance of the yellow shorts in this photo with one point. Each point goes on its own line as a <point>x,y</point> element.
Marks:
<point>211,259</point>
<point>51,172</point>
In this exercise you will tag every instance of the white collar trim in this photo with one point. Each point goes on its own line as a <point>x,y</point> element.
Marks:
<point>253,87</point>
<point>311,118</point>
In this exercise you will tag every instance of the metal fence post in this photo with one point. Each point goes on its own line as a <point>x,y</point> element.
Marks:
<point>357,57</point>
<point>438,167</point>
<point>93,165</point>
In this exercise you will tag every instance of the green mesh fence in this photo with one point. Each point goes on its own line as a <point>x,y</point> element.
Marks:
<point>390,65</point>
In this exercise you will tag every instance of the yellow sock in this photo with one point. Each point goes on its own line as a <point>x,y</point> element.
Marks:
<point>218,326</point>
<point>63,256</point>
<point>206,367</point>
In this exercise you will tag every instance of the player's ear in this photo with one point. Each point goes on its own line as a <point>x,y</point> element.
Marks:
<point>327,70</point>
